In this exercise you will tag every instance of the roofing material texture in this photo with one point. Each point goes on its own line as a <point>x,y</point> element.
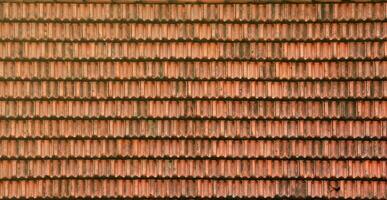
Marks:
<point>213,99</point>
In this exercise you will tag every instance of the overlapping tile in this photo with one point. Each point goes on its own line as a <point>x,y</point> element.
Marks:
<point>188,149</point>
<point>215,100</point>
<point>200,32</point>
<point>151,70</point>
<point>155,188</point>
<point>206,129</point>
<point>193,109</point>
<point>291,51</point>
<point>235,13</point>
<point>201,90</point>
<point>193,169</point>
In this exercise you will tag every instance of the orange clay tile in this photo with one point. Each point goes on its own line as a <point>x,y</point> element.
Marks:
<point>190,99</point>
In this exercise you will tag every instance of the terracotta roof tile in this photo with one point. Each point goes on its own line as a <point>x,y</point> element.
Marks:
<point>199,32</point>
<point>211,99</point>
<point>216,109</point>
<point>194,169</point>
<point>155,188</point>
<point>207,71</point>
<point>197,149</point>
<point>292,51</point>
<point>233,13</point>
<point>205,129</point>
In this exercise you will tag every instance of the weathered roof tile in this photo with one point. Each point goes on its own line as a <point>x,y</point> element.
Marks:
<point>211,99</point>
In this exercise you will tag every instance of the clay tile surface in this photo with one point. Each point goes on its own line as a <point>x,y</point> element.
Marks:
<point>193,99</point>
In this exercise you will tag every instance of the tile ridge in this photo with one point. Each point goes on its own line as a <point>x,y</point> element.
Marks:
<point>190,177</point>
<point>191,79</point>
<point>193,40</point>
<point>139,98</point>
<point>191,157</point>
<point>202,118</point>
<point>187,21</point>
<point>185,196</point>
<point>192,1</point>
<point>193,137</point>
